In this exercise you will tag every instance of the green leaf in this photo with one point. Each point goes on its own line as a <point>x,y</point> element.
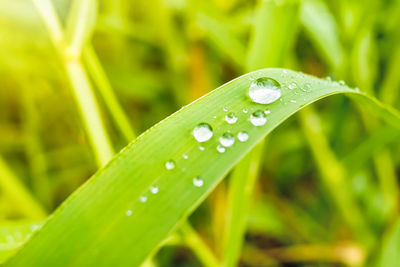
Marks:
<point>92,228</point>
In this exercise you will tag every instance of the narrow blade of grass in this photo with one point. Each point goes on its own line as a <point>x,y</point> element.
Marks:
<point>106,222</point>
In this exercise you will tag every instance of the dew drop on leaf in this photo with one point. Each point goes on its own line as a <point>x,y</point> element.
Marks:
<point>185,156</point>
<point>227,140</point>
<point>258,118</point>
<point>154,189</point>
<point>245,110</point>
<point>170,164</point>
<point>264,90</point>
<point>202,132</point>
<point>267,111</point>
<point>231,118</point>
<point>292,86</point>
<point>143,199</point>
<point>221,149</point>
<point>197,181</point>
<point>128,213</point>
<point>243,136</point>
<point>202,148</point>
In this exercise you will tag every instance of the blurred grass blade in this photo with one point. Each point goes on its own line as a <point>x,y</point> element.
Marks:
<point>80,25</point>
<point>390,255</point>
<point>16,192</point>
<point>321,27</point>
<point>107,222</point>
<point>278,23</point>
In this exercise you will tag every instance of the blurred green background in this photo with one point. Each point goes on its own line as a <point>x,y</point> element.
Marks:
<point>145,59</point>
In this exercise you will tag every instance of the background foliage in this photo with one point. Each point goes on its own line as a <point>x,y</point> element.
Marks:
<point>145,59</point>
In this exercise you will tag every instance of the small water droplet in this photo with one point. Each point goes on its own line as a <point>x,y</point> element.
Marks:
<point>265,90</point>
<point>293,101</point>
<point>231,118</point>
<point>292,86</point>
<point>128,213</point>
<point>245,110</point>
<point>225,109</point>
<point>170,164</point>
<point>258,118</point>
<point>243,136</point>
<point>221,149</point>
<point>185,156</point>
<point>267,111</point>
<point>306,88</point>
<point>154,189</point>
<point>227,140</point>
<point>202,132</point>
<point>214,117</point>
<point>341,82</point>
<point>198,182</point>
<point>202,148</point>
<point>143,199</point>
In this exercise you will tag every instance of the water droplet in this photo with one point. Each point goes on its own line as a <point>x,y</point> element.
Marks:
<point>267,111</point>
<point>198,182</point>
<point>35,227</point>
<point>258,118</point>
<point>341,82</point>
<point>227,140</point>
<point>306,88</point>
<point>293,101</point>
<point>202,132</point>
<point>170,164</point>
<point>221,149</point>
<point>264,90</point>
<point>245,110</point>
<point>231,118</point>
<point>292,86</point>
<point>202,148</point>
<point>143,199</point>
<point>185,156</point>
<point>214,117</point>
<point>243,136</point>
<point>225,109</point>
<point>154,189</point>
<point>128,213</point>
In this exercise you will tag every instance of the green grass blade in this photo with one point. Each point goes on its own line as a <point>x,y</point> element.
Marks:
<point>80,25</point>
<point>92,228</point>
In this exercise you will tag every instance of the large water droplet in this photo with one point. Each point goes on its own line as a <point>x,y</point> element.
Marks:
<point>202,132</point>
<point>170,164</point>
<point>227,140</point>
<point>231,118</point>
<point>243,136</point>
<point>221,149</point>
<point>264,90</point>
<point>128,213</point>
<point>197,181</point>
<point>154,189</point>
<point>258,118</point>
